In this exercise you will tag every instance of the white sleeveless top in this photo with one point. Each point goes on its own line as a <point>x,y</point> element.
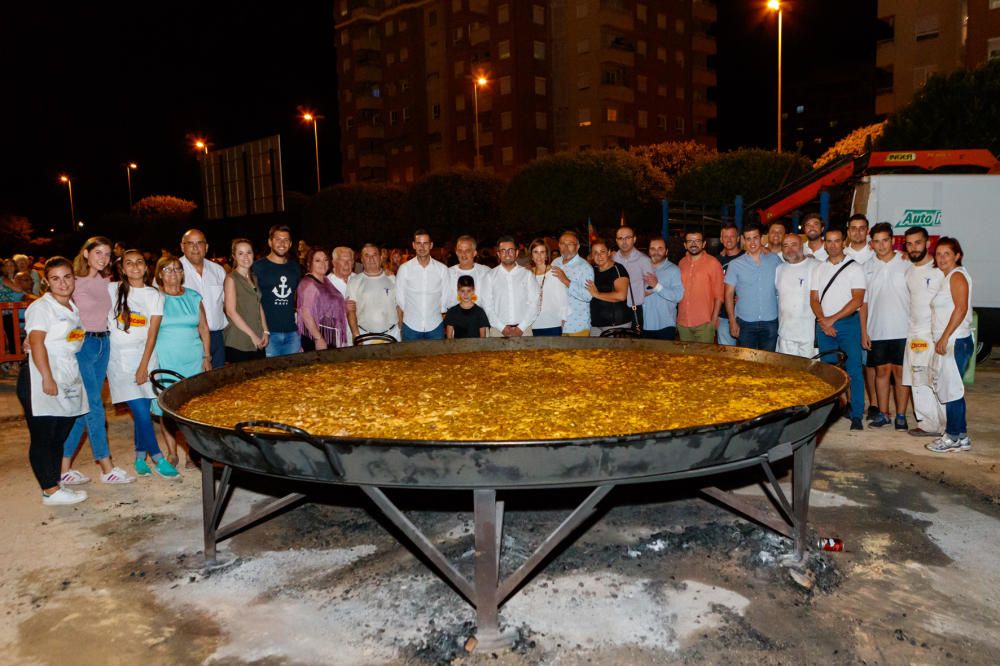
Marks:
<point>942,306</point>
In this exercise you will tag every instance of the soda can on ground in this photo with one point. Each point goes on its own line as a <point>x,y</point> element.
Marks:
<point>831,544</point>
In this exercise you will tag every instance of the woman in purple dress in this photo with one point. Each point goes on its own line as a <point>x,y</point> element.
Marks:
<point>321,307</point>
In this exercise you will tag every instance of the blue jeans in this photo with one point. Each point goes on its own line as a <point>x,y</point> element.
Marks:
<point>761,335</point>
<point>283,343</point>
<point>668,333</point>
<point>217,347</point>
<point>848,340</point>
<point>955,410</point>
<point>93,361</point>
<point>546,332</point>
<point>434,334</point>
<point>724,336</point>
<point>145,437</point>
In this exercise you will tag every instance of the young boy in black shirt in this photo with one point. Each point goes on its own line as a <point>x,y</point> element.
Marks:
<point>466,320</point>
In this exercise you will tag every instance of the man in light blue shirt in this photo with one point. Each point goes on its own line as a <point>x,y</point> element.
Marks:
<point>573,271</point>
<point>663,292</point>
<point>751,298</point>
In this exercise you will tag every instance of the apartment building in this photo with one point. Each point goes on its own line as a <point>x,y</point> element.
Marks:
<point>920,39</point>
<point>544,76</point>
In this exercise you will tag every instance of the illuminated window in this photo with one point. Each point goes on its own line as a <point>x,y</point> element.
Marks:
<point>503,13</point>
<point>503,49</point>
<point>642,118</point>
<point>538,14</point>
<point>540,85</point>
<point>539,50</point>
<point>507,154</point>
<point>583,117</point>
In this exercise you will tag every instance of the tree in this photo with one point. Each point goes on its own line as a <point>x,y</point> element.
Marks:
<point>958,110</point>
<point>458,201</point>
<point>673,157</point>
<point>852,144</point>
<point>563,191</point>
<point>163,207</point>
<point>15,233</point>
<point>752,173</point>
<point>353,215</point>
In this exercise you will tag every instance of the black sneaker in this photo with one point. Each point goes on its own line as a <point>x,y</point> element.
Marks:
<point>879,421</point>
<point>856,424</point>
<point>901,423</point>
<point>873,412</point>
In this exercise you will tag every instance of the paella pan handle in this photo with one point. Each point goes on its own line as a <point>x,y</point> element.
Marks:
<point>841,356</point>
<point>159,386</point>
<point>373,339</point>
<point>242,429</point>
<point>788,414</point>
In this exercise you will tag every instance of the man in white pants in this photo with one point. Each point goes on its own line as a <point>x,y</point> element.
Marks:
<point>796,320</point>
<point>923,280</point>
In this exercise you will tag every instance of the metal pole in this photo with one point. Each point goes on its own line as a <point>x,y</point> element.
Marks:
<point>316,144</point>
<point>128,174</point>
<point>780,11</point>
<point>475,131</point>
<point>72,212</point>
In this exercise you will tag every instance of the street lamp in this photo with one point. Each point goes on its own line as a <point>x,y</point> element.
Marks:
<point>129,168</point>
<point>477,83</point>
<point>775,6</point>
<point>311,117</point>
<point>72,212</point>
<point>201,145</point>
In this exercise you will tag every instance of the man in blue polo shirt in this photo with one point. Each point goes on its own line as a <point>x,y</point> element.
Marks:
<point>751,298</point>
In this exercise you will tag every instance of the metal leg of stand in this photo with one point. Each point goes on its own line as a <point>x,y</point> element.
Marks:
<point>802,472</point>
<point>208,509</point>
<point>488,528</point>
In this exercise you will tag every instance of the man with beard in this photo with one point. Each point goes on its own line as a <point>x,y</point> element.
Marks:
<point>793,280</point>
<point>812,227</point>
<point>278,279</point>
<point>701,275</point>
<point>729,237</point>
<point>513,294</point>
<point>663,292</point>
<point>858,249</point>
<point>465,250</point>
<point>923,280</point>
<point>884,324</point>
<point>420,292</point>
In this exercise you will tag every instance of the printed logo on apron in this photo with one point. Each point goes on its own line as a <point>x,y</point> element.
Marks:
<point>75,335</point>
<point>135,320</point>
<point>917,345</point>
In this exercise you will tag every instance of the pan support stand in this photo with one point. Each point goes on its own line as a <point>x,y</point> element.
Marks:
<point>487,591</point>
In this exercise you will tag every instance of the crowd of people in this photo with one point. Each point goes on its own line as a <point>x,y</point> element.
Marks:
<point>898,321</point>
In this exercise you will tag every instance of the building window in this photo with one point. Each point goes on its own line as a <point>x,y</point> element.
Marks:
<point>389,28</point>
<point>640,47</point>
<point>993,44</point>
<point>679,58</point>
<point>679,125</point>
<point>679,93</point>
<point>661,21</point>
<point>404,54</point>
<point>539,50</point>
<point>643,118</point>
<point>393,118</point>
<point>679,26</point>
<point>350,122</point>
<point>661,121</point>
<point>640,83</point>
<point>406,113</point>
<point>583,117</point>
<point>506,120</point>
<point>541,151</point>
<point>504,85</point>
<point>503,13</point>
<point>390,58</point>
<point>612,114</point>
<point>583,79</point>
<point>347,64</point>
<point>402,25</point>
<point>503,49</point>
<point>541,120</point>
<point>459,33</point>
<point>460,132</point>
<point>583,46</point>
<point>994,4</point>
<point>581,8</point>
<point>460,102</point>
<point>507,155</point>
<point>436,111</point>
<point>926,27</point>
<point>661,91</point>
<point>640,12</point>
<point>540,85</point>
<point>538,14</point>
<point>404,85</point>
<point>661,54</point>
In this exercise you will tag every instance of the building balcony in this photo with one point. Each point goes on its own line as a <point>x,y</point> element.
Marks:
<point>371,161</point>
<point>367,43</point>
<point>617,93</point>
<point>485,138</point>
<point>618,130</point>
<point>362,102</point>
<point>702,43</point>
<point>370,132</point>
<point>885,54</point>
<point>369,73</point>
<point>479,35</point>
<point>619,56</point>
<point>705,110</point>
<point>705,77</point>
<point>364,12</point>
<point>619,20</point>
<point>704,11</point>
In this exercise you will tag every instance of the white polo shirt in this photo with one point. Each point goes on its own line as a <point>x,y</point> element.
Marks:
<point>839,294</point>
<point>208,283</point>
<point>862,256</point>
<point>818,255</point>
<point>923,282</point>
<point>796,320</point>
<point>887,297</point>
<point>420,293</point>
<point>375,296</point>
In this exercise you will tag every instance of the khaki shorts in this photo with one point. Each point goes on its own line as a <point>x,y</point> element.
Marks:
<point>703,333</point>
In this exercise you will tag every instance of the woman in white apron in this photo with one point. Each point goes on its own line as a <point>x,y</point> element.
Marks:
<point>50,387</point>
<point>134,321</point>
<point>951,327</point>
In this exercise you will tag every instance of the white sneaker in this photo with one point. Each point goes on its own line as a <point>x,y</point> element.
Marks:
<point>117,475</point>
<point>74,478</point>
<point>947,444</point>
<point>64,496</point>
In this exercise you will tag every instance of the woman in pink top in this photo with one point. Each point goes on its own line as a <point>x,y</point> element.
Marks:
<point>93,271</point>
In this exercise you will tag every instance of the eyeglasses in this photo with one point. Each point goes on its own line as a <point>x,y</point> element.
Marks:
<point>201,242</point>
<point>173,269</point>
<point>621,238</point>
<point>507,250</point>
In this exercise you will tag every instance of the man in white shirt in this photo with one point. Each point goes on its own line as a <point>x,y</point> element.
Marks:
<point>923,280</point>
<point>341,269</point>
<point>371,297</point>
<point>812,227</point>
<point>513,294</point>
<point>465,250</point>
<point>793,280</point>
<point>776,231</point>
<point>638,265</point>
<point>884,323</point>
<point>836,295</point>
<point>207,278</point>
<point>858,249</point>
<point>420,292</point>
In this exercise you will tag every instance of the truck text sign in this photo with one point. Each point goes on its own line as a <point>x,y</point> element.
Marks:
<point>920,217</point>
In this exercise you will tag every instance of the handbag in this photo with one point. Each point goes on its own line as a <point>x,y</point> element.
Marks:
<point>635,308</point>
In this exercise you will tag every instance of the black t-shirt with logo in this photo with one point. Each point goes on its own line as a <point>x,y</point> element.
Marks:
<point>466,322</point>
<point>278,283</point>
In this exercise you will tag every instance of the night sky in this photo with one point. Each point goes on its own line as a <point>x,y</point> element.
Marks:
<point>89,87</point>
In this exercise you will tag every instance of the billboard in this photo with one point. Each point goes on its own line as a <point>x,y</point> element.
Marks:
<point>243,180</point>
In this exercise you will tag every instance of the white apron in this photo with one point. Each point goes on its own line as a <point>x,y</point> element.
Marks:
<point>944,376</point>
<point>127,347</point>
<point>64,336</point>
<point>917,359</point>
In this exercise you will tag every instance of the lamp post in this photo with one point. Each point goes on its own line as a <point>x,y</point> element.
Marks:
<point>201,145</point>
<point>477,83</point>
<point>129,168</point>
<point>310,117</point>
<point>775,5</point>
<point>72,212</point>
